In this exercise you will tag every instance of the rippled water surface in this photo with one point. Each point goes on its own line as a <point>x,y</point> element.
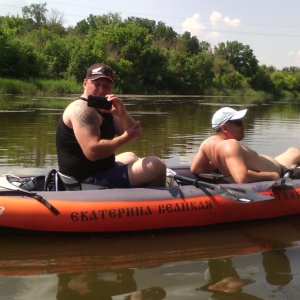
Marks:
<point>254,260</point>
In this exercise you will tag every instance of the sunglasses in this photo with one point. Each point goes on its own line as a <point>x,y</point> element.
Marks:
<point>238,122</point>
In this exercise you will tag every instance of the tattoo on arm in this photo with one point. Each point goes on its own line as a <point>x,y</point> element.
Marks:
<point>88,118</point>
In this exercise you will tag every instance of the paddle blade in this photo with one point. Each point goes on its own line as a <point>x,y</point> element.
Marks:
<point>282,181</point>
<point>286,179</point>
<point>242,196</point>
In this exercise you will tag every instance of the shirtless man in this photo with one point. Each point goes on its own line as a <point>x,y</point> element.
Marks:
<point>235,161</point>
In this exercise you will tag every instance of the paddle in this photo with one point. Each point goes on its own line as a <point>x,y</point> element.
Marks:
<point>5,183</point>
<point>234,194</point>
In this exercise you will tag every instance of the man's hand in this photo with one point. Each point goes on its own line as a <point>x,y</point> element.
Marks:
<point>118,107</point>
<point>134,132</point>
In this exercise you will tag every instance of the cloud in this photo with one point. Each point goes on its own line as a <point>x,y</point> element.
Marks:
<point>296,56</point>
<point>193,25</point>
<point>294,53</point>
<point>213,35</point>
<point>217,20</point>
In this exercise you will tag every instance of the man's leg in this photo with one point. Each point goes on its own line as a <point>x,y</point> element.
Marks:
<point>289,158</point>
<point>126,158</point>
<point>148,172</point>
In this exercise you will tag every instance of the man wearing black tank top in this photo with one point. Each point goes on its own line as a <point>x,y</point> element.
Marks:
<point>87,139</point>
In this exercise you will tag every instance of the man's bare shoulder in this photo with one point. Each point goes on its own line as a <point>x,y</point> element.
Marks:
<point>223,147</point>
<point>230,147</point>
<point>216,140</point>
<point>79,112</point>
<point>209,140</point>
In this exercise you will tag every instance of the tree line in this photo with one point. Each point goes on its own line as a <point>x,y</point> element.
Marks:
<point>147,57</point>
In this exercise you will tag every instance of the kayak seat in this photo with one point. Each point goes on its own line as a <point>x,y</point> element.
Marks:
<point>49,183</point>
<point>57,181</point>
<point>66,183</point>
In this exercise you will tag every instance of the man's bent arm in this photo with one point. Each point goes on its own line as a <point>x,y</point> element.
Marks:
<point>201,163</point>
<point>241,174</point>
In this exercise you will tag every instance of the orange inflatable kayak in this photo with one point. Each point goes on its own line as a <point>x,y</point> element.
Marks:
<point>192,203</point>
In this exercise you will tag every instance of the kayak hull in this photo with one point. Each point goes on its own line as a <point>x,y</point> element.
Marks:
<point>139,209</point>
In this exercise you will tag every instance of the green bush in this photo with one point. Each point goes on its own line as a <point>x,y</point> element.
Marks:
<point>39,87</point>
<point>14,86</point>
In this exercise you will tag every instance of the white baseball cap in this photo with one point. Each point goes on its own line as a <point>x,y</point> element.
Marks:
<point>225,114</point>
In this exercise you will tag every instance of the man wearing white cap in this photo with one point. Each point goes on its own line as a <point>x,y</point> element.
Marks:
<point>235,161</point>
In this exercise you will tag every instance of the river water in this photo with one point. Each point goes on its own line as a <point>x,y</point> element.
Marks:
<point>253,260</point>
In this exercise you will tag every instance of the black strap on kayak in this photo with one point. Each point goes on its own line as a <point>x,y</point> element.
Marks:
<point>6,184</point>
<point>46,203</point>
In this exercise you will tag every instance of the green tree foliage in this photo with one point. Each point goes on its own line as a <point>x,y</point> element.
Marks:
<point>81,28</point>
<point>100,22</point>
<point>19,26</point>
<point>35,12</point>
<point>262,80</point>
<point>240,56</point>
<point>286,80</point>
<point>200,73</point>
<point>174,72</point>
<point>17,59</point>
<point>55,22</point>
<point>163,32</point>
<point>226,77</point>
<point>146,56</point>
<point>191,43</point>
<point>57,54</point>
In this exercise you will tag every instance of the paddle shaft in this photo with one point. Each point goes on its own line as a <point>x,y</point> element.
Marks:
<point>195,182</point>
<point>290,171</point>
<point>234,194</point>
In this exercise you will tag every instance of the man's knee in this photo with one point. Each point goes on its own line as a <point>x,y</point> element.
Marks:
<point>293,151</point>
<point>154,165</point>
<point>150,163</point>
<point>158,163</point>
<point>132,156</point>
<point>148,171</point>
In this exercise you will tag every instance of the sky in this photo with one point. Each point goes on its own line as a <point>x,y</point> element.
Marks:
<point>271,28</point>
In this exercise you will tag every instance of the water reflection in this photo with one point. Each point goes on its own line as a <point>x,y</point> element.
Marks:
<point>278,273</point>
<point>224,278</point>
<point>247,277</point>
<point>97,286</point>
<point>242,261</point>
<point>104,285</point>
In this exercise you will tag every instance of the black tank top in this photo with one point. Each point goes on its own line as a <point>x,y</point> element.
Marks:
<point>71,160</point>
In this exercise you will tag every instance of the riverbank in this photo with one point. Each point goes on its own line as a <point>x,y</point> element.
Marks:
<point>39,87</point>
<point>66,87</point>
<point>71,89</point>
